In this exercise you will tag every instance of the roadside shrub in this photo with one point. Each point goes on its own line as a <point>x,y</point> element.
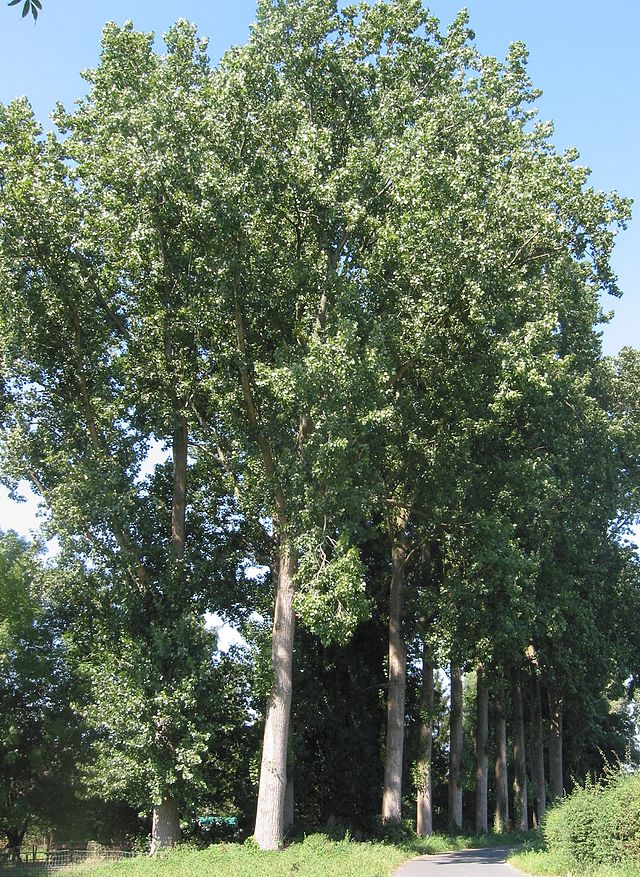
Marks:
<point>629,822</point>
<point>599,823</point>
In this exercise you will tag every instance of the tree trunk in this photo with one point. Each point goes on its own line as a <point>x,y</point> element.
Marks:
<point>455,751</point>
<point>269,829</point>
<point>482,759</point>
<point>424,814</point>
<point>180,450</point>
<point>287,819</point>
<point>501,818</point>
<point>165,828</point>
<point>555,747</point>
<point>537,747</point>
<point>520,802</point>
<point>289,795</point>
<point>392,791</point>
<point>15,837</point>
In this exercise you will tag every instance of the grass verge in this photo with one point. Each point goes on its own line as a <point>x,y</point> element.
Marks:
<point>543,863</point>
<point>316,856</point>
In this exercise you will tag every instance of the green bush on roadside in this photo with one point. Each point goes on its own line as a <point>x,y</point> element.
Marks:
<point>598,823</point>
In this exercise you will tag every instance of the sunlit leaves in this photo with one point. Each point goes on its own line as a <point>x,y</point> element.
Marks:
<point>330,598</point>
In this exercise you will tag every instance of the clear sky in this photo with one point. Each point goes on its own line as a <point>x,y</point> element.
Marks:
<point>583,55</point>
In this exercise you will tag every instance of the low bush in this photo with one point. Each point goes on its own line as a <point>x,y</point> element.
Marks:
<point>599,823</point>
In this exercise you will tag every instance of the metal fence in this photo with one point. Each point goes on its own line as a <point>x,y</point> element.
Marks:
<point>39,862</point>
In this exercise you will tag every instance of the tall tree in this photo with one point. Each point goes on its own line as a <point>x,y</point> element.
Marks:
<point>97,254</point>
<point>296,110</point>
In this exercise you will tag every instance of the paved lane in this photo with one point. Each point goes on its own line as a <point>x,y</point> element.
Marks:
<point>462,863</point>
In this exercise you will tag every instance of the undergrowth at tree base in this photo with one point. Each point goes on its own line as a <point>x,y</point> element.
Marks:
<point>317,855</point>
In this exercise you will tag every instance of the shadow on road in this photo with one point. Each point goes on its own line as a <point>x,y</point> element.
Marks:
<point>485,862</point>
<point>485,856</point>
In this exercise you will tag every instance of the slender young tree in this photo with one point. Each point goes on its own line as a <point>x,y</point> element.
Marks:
<point>392,794</point>
<point>455,751</point>
<point>537,746</point>
<point>482,758</point>
<point>520,798</point>
<point>501,821</point>
<point>556,778</point>
<point>424,770</point>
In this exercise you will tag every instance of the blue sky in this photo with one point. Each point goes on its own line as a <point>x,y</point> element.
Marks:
<point>583,55</point>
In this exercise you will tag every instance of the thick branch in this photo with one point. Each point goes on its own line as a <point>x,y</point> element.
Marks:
<point>180,448</point>
<point>252,415</point>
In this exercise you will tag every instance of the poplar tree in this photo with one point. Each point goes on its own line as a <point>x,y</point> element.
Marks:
<point>99,243</point>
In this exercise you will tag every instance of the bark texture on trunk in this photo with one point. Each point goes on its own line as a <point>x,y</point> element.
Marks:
<point>455,751</point>
<point>482,758</point>
<point>392,791</point>
<point>289,795</point>
<point>555,747</point>
<point>288,804</point>
<point>501,817</point>
<point>180,449</point>
<point>165,827</point>
<point>537,747</point>
<point>520,802</point>
<point>424,807</point>
<point>269,830</point>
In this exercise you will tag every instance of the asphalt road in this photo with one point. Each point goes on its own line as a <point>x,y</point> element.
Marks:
<point>462,863</point>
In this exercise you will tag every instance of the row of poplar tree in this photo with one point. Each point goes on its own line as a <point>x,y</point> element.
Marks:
<point>310,337</point>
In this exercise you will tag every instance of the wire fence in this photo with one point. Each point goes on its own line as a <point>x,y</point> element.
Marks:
<point>70,862</point>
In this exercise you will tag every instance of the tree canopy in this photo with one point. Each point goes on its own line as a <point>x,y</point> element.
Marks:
<point>309,339</point>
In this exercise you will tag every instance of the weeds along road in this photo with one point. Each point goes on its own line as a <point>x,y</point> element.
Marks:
<point>461,863</point>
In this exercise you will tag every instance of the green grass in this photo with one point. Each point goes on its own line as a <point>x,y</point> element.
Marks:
<point>316,856</point>
<point>548,864</point>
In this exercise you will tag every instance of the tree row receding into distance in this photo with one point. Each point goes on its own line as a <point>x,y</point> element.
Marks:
<point>308,339</point>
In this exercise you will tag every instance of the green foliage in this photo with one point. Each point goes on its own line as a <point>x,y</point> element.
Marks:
<point>29,6</point>
<point>347,268</point>
<point>101,361</point>
<point>598,823</point>
<point>40,736</point>
<point>330,598</point>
